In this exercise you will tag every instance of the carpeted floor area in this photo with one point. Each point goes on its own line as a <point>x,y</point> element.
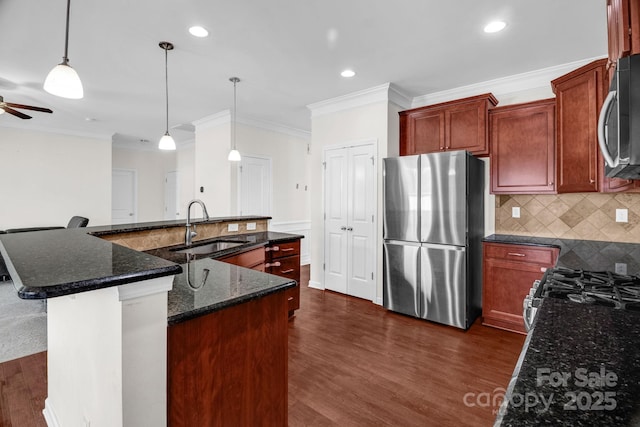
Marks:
<point>23,324</point>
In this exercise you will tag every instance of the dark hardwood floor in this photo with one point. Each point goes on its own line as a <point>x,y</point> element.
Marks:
<point>351,363</point>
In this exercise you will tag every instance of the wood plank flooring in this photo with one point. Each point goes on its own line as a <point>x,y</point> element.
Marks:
<point>351,363</point>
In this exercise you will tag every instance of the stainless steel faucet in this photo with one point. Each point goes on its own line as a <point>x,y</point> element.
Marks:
<point>190,234</point>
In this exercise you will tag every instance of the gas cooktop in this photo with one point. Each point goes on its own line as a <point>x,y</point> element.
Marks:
<point>591,287</point>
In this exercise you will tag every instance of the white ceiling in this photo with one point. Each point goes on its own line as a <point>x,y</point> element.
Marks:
<point>288,54</point>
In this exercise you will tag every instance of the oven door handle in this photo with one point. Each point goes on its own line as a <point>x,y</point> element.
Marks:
<point>526,312</point>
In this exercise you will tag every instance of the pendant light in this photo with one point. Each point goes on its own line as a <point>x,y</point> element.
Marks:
<point>63,80</point>
<point>166,142</point>
<point>234,154</point>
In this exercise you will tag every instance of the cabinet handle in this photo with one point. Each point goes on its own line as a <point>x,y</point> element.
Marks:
<point>516,254</point>
<point>591,181</point>
<point>290,299</point>
<point>287,250</point>
<point>273,248</point>
<point>349,228</point>
<point>551,183</point>
<point>343,228</point>
<point>287,271</point>
<point>272,264</point>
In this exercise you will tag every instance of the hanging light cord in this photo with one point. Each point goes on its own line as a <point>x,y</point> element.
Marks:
<point>65,59</point>
<point>235,119</point>
<point>166,89</point>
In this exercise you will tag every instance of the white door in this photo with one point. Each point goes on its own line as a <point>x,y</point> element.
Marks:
<point>350,194</point>
<point>254,186</point>
<point>171,196</point>
<point>123,196</point>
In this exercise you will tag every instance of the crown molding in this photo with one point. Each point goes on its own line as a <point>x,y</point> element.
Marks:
<point>44,129</point>
<point>224,117</point>
<point>504,85</point>
<point>386,92</point>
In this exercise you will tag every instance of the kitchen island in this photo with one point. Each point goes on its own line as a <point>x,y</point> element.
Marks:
<point>108,340</point>
<point>579,365</point>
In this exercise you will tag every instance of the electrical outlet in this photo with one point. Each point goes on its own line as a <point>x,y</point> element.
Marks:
<point>515,212</point>
<point>232,227</point>
<point>622,215</point>
<point>621,268</point>
<point>251,226</point>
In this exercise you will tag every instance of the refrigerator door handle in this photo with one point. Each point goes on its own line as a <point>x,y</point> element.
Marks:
<point>447,247</point>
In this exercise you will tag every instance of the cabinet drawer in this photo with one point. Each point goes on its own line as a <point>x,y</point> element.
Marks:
<point>521,253</point>
<point>279,250</point>
<point>248,259</point>
<point>288,267</point>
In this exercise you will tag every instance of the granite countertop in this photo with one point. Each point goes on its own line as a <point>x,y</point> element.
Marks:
<point>214,285</point>
<point>583,254</point>
<point>581,368</point>
<point>249,241</point>
<point>154,225</point>
<point>51,263</point>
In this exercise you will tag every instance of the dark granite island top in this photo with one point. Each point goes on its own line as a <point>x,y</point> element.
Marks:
<point>52,263</point>
<point>207,285</point>
<point>581,368</point>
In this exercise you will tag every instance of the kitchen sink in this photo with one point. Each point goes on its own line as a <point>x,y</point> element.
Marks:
<point>208,248</point>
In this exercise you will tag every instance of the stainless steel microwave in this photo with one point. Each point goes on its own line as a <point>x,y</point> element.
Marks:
<point>619,121</point>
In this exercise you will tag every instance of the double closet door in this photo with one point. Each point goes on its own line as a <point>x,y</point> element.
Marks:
<point>350,203</point>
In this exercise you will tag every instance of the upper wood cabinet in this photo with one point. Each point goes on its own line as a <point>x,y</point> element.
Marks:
<point>523,148</point>
<point>623,26</point>
<point>579,96</point>
<point>456,125</point>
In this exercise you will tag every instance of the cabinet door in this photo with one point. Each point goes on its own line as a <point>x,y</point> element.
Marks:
<point>579,96</point>
<point>421,132</point>
<point>506,284</point>
<point>523,148</point>
<point>466,128</point>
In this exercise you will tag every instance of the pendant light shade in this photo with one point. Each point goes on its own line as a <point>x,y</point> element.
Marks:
<point>166,142</point>
<point>63,80</point>
<point>234,154</point>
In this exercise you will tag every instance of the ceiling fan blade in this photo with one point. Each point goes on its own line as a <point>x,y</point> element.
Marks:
<point>28,107</point>
<point>15,113</point>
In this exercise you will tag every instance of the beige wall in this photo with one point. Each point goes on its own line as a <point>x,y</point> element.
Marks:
<point>212,169</point>
<point>369,122</point>
<point>151,167</point>
<point>586,216</point>
<point>46,178</point>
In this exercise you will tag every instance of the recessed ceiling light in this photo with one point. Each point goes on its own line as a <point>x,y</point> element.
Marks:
<point>348,73</point>
<point>495,26</point>
<point>198,31</point>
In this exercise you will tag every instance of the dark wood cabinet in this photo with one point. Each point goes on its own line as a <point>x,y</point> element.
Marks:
<point>456,125</point>
<point>579,96</point>
<point>523,148</point>
<point>623,28</point>
<point>229,367</point>
<point>253,259</point>
<point>283,259</point>
<point>508,273</point>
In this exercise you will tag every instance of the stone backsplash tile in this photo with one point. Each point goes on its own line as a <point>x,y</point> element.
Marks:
<point>582,216</point>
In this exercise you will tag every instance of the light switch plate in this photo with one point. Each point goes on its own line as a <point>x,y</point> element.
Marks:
<point>622,215</point>
<point>251,226</point>
<point>233,227</point>
<point>515,212</point>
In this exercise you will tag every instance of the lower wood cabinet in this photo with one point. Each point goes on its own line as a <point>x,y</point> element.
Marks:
<point>508,273</point>
<point>229,367</point>
<point>283,259</point>
<point>253,259</point>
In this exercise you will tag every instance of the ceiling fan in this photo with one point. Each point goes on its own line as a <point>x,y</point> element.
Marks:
<point>9,108</point>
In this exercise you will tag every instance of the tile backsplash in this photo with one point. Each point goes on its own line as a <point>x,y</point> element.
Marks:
<point>585,216</point>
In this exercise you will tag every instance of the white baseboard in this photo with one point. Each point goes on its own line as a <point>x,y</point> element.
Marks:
<point>302,227</point>
<point>50,414</point>
<point>378,301</point>
<point>316,285</point>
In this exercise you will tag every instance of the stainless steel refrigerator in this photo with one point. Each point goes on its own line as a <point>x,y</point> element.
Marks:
<point>433,229</point>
